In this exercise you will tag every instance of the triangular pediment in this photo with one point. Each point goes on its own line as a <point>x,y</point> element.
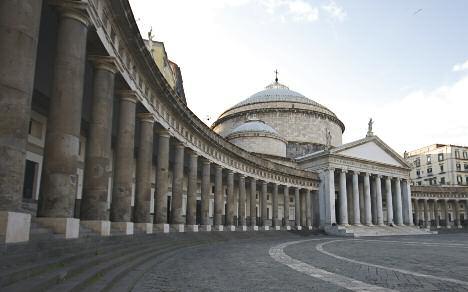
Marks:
<point>372,149</point>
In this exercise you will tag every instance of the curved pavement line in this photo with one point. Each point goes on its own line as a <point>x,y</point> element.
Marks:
<point>319,247</point>
<point>277,253</point>
<point>419,243</point>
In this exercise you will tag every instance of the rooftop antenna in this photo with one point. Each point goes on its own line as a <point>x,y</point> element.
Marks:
<point>276,75</point>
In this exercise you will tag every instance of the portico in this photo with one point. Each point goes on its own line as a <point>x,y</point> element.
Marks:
<point>363,183</point>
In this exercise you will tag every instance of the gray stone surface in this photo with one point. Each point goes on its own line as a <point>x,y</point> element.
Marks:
<point>247,266</point>
<point>162,173</point>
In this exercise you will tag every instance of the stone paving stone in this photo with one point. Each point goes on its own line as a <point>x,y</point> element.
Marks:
<point>245,265</point>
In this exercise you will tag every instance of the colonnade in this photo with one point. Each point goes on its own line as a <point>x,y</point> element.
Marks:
<point>435,212</point>
<point>58,188</point>
<point>361,197</point>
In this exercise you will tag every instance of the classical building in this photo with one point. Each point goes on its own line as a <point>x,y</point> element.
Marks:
<point>439,164</point>
<point>95,135</point>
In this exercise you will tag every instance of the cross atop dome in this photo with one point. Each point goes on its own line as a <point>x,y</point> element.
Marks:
<point>276,75</point>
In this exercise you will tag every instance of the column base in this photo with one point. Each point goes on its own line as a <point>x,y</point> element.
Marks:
<point>218,228</point>
<point>177,227</point>
<point>242,228</point>
<point>161,228</point>
<point>277,228</point>
<point>438,226</point>
<point>101,227</point>
<point>312,227</point>
<point>144,228</point>
<point>119,228</point>
<point>206,228</point>
<point>357,224</point>
<point>191,228</point>
<point>69,227</point>
<point>253,228</point>
<point>14,226</point>
<point>459,226</point>
<point>298,228</point>
<point>265,228</point>
<point>230,228</point>
<point>287,227</point>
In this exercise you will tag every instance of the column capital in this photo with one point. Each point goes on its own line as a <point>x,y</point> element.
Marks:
<point>146,117</point>
<point>164,133</point>
<point>366,174</point>
<point>179,144</point>
<point>107,63</point>
<point>264,182</point>
<point>241,175</point>
<point>72,9</point>
<point>230,171</point>
<point>192,153</point>
<point>343,170</point>
<point>355,172</point>
<point>206,161</point>
<point>217,166</point>
<point>127,95</point>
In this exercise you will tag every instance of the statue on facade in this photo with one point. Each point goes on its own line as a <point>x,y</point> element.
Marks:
<point>328,138</point>
<point>369,128</point>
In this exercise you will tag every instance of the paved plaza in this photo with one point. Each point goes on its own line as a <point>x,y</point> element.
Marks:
<point>316,263</point>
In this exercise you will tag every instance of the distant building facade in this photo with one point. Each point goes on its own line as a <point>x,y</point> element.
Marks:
<point>439,164</point>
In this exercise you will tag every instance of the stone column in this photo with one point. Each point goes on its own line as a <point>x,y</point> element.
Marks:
<point>218,199</point>
<point>142,216</point>
<point>242,202</point>
<point>205,195</point>
<point>426,214</point>
<point>417,211</point>
<point>343,199</point>
<point>302,198</point>
<point>367,199</point>
<point>121,206</point>
<point>59,171</point>
<point>356,203</point>
<point>177,215</point>
<point>398,202</point>
<point>389,198</point>
<point>162,182</point>
<point>466,213</point>
<point>308,212</point>
<point>378,192</point>
<point>230,201</point>
<point>253,203</point>
<point>407,209</point>
<point>264,204</point>
<point>191,214</point>
<point>286,207</point>
<point>19,33</point>
<point>93,209</point>
<point>436,213</point>
<point>297,208</point>
<point>275,221</point>
<point>457,214</point>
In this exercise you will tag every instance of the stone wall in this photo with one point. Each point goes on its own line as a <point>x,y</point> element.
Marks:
<point>264,145</point>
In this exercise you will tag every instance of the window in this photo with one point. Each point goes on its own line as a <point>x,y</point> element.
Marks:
<point>466,179</point>
<point>458,167</point>
<point>291,200</point>
<point>419,183</point>
<point>441,168</point>
<point>429,159</point>
<point>440,156</point>
<point>35,129</point>
<point>465,166</point>
<point>268,197</point>
<point>465,155</point>
<point>418,172</point>
<point>429,170</point>
<point>442,180</point>
<point>457,154</point>
<point>459,179</point>
<point>417,162</point>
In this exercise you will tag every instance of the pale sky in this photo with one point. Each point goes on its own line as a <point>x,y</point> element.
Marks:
<point>403,63</point>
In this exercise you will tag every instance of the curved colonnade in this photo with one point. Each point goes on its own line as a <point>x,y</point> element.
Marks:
<point>168,134</point>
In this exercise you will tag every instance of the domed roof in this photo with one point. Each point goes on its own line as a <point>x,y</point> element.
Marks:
<point>254,125</point>
<point>277,92</point>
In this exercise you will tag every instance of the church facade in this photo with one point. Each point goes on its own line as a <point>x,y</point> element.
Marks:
<point>94,138</point>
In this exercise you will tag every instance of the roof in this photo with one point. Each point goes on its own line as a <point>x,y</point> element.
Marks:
<point>254,125</point>
<point>277,92</point>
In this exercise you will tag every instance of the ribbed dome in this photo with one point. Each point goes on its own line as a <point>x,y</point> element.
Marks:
<point>277,92</point>
<point>254,125</point>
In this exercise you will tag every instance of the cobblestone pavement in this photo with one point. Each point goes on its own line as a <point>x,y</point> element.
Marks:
<point>405,263</point>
